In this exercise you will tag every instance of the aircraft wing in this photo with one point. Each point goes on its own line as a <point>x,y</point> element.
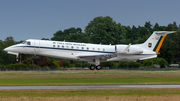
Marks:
<point>102,56</point>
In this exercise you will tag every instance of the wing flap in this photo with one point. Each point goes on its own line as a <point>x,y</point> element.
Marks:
<point>154,56</point>
<point>102,56</point>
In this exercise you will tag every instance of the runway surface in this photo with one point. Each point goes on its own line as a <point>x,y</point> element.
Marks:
<point>90,86</point>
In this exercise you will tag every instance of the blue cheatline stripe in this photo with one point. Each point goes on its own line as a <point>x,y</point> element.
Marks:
<point>77,50</point>
<point>145,54</point>
<point>67,49</point>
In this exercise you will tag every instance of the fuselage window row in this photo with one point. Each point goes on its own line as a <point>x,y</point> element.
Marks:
<point>72,47</point>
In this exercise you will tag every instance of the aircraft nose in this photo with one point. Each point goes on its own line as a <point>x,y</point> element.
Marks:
<point>10,48</point>
<point>6,49</point>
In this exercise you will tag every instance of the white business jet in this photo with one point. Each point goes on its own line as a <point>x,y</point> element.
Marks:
<point>92,53</point>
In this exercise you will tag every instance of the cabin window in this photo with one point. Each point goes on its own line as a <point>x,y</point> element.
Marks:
<point>87,48</point>
<point>98,49</point>
<point>77,47</point>
<point>72,47</point>
<point>28,43</point>
<point>66,46</point>
<point>93,48</point>
<point>58,46</point>
<point>82,47</point>
<point>54,46</point>
<point>62,46</point>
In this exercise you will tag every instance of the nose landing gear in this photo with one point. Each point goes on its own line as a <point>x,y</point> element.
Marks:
<point>17,56</point>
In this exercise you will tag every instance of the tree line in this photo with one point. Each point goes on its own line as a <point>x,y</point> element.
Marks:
<point>106,31</point>
<point>103,30</point>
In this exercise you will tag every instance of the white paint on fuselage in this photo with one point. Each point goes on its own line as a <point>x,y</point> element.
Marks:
<point>71,50</point>
<point>92,53</point>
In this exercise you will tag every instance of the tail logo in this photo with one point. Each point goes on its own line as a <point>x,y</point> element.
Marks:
<point>150,45</point>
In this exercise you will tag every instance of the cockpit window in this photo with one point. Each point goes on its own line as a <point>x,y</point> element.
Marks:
<point>24,42</point>
<point>28,43</point>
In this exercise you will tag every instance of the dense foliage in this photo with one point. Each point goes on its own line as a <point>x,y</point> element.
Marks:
<point>105,31</point>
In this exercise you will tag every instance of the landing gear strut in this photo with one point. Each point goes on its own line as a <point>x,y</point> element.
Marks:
<point>97,63</point>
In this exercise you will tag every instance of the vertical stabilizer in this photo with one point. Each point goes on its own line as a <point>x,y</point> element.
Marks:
<point>155,41</point>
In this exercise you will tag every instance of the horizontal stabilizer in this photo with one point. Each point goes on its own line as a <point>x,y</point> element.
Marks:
<point>165,32</point>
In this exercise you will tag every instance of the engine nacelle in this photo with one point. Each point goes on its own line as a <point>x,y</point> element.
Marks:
<point>125,49</point>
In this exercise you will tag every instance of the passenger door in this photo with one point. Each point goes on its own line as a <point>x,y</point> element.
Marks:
<point>36,46</point>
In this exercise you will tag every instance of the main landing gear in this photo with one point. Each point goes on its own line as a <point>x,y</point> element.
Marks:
<point>92,67</point>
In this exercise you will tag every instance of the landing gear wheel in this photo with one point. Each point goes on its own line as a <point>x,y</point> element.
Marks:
<point>98,67</point>
<point>91,67</point>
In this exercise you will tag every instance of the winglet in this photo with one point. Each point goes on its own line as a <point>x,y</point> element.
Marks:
<point>126,49</point>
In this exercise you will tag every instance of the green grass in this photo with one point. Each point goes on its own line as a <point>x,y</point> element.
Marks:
<point>59,81</point>
<point>89,72</point>
<point>88,77</point>
<point>90,92</point>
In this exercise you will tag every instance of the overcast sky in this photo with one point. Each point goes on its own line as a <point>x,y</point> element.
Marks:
<point>36,19</point>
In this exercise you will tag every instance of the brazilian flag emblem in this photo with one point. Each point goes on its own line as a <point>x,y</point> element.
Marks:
<point>54,42</point>
<point>150,45</point>
<point>158,45</point>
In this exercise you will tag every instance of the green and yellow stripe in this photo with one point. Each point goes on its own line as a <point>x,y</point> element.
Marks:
<point>158,45</point>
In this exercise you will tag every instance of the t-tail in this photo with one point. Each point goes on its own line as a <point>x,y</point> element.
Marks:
<point>155,41</point>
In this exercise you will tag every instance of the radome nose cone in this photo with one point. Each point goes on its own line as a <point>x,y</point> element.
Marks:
<point>6,49</point>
